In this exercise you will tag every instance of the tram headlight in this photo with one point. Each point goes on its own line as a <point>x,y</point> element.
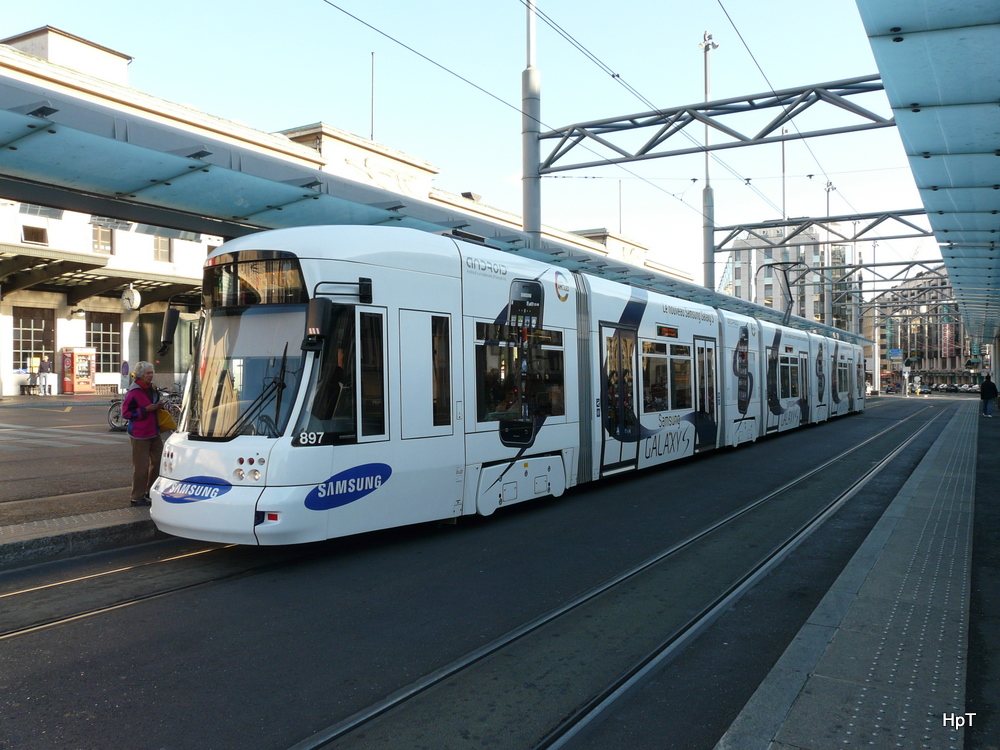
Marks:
<point>255,475</point>
<point>240,474</point>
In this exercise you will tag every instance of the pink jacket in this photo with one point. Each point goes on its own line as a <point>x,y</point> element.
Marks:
<point>142,424</point>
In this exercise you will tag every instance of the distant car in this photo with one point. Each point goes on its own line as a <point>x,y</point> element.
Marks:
<point>974,388</point>
<point>923,390</point>
<point>891,389</point>
<point>964,388</point>
<point>952,388</point>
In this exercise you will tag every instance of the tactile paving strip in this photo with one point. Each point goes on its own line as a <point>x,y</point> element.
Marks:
<point>881,663</point>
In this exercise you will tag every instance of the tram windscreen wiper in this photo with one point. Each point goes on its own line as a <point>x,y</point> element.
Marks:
<point>272,389</point>
<point>281,389</point>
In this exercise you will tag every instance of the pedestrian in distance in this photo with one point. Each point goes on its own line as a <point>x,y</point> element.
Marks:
<point>45,376</point>
<point>140,407</point>
<point>988,394</point>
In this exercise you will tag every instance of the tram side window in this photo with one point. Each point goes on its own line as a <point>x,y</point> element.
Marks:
<point>519,373</point>
<point>789,377</point>
<point>655,380</point>
<point>843,382</point>
<point>544,385</point>
<point>681,393</point>
<point>441,363</point>
<point>372,374</point>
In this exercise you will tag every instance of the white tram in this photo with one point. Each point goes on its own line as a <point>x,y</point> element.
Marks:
<point>358,378</point>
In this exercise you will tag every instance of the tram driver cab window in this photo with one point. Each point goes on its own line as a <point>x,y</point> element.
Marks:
<point>331,414</point>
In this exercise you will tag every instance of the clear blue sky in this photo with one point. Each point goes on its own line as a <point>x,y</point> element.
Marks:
<point>274,66</point>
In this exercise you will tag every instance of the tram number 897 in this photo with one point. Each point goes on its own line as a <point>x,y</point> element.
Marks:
<point>310,438</point>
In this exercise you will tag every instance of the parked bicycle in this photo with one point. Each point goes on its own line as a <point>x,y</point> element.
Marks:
<point>118,422</point>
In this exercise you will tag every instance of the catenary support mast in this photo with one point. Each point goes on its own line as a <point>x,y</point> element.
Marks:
<point>531,154</point>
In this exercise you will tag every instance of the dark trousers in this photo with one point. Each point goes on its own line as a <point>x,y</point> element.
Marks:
<point>145,465</point>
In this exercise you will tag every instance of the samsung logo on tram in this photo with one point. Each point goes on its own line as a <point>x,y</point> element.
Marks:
<point>193,489</point>
<point>348,486</point>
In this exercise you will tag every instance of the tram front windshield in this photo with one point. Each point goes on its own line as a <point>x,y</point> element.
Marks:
<point>247,371</point>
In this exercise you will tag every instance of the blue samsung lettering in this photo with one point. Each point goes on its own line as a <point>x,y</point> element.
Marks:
<point>347,486</point>
<point>193,489</point>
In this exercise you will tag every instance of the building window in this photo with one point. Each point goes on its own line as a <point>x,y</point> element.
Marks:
<point>30,209</point>
<point>104,240</point>
<point>163,249</point>
<point>104,335</point>
<point>34,335</point>
<point>35,235</point>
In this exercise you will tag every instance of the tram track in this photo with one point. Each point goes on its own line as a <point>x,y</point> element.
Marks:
<point>633,679</point>
<point>48,605</point>
<point>540,643</point>
<point>24,617</point>
<point>468,688</point>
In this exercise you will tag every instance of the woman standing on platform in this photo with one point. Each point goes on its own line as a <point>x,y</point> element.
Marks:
<point>140,407</point>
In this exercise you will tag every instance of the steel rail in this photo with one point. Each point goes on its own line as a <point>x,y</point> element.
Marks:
<point>125,569</point>
<point>128,602</point>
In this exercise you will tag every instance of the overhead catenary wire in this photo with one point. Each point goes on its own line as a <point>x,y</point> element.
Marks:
<point>771,87</point>
<point>502,101</point>
<point>611,73</point>
<point>635,92</point>
<point>638,95</point>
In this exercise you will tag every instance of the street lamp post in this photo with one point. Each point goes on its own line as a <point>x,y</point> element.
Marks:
<point>708,199</point>
<point>828,297</point>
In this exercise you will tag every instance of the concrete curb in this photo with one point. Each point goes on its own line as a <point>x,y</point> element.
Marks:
<point>48,546</point>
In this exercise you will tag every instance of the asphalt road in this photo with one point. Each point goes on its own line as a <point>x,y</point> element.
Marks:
<point>260,648</point>
<point>64,459</point>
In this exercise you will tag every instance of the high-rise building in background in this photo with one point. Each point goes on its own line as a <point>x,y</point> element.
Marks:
<point>751,275</point>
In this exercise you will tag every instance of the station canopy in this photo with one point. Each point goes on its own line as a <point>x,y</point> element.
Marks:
<point>940,64</point>
<point>126,163</point>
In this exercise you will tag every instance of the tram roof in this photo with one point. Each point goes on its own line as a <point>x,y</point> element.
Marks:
<point>939,62</point>
<point>58,147</point>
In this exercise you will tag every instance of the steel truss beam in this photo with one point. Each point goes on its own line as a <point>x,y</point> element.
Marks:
<point>836,226</point>
<point>932,268</point>
<point>669,122</point>
<point>883,303</point>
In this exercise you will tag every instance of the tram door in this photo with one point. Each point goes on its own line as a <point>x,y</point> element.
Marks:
<point>620,433</point>
<point>432,448</point>
<point>706,421</point>
<point>805,397</point>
